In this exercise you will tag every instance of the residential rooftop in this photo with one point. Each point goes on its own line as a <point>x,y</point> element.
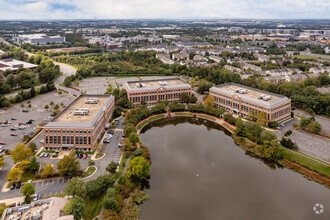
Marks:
<point>252,94</point>
<point>154,84</point>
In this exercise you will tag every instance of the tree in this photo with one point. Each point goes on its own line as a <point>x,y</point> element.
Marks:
<point>2,162</point>
<point>69,166</point>
<point>272,151</point>
<point>32,91</point>
<point>239,126</point>
<point>203,86</point>
<point>75,187</point>
<point>14,174</point>
<point>34,165</point>
<point>33,147</point>
<point>49,171</point>
<point>209,101</point>
<point>110,201</point>
<point>288,143</point>
<point>262,118</point>
<point>138,169</point>
<point>27,191</point>
<point>134,138</point>
<point>112,167</point>
<point>75,207</point>
<point>184,98</point>
<point>67,82</point>
<point>21,153</point>
<point>316,127</point>
<point>23,165</point>
<point>46,107</point>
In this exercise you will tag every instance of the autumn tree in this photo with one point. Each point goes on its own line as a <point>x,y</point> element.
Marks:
<point>21,153</point>
<point>49,171</point>
<point>2,162</point>
<point>75,207</point>
<point>14,174</point>
<point>262,117</point>
<point>69,166</point>
<point>23,165</point>
<point>209,101</point>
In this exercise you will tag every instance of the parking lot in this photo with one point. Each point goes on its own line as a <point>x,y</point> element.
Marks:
<point>97,85</point>
<point>37,113</point>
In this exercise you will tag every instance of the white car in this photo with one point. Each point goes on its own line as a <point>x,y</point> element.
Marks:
<point>42,141</point>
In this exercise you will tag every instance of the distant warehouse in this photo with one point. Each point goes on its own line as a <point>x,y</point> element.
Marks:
<point>80,124</point>
<point>14,65</point>
<point>41,39</point>
<point>242,100</point>
<point>152,91</point>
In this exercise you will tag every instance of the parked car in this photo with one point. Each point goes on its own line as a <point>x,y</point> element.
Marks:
<point>282,125</point>
<point>2,150</point>
<point>13,134</point>
<point>110,132</point>
<point>46,155</point>
<point>35,197</point>
<point>13,129</point>
<point>77,156</point>
<point>18,185</point>
<point>80,156</point>
<point>29,122</point>
<point>3,125</point>
<point>106,140</point>
<point>22,127</point>
<point>41,154</point>
<point>85,156</point>
<point>123,135</point>
<point>29,181</point>
<point>120,145</point>
<point>21,123</point>
<point>13,119</point>
<point>25,110</point>
<point>42,141</point>
<point>12,186</point>
<point>2,143</point>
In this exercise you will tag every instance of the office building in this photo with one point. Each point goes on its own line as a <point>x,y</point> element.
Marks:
<point>80,124</point>
<point>41,39</point>
<point>152,91</point>
<point>242,100</point>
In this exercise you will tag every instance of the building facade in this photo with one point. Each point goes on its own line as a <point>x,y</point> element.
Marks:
<point>151,91</point>
<point>80,124</point>
<point>41,39</point>
<point>243,100</point>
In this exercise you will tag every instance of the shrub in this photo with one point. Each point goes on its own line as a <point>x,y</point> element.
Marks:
<point>112,167</point>
<point>287,133</point>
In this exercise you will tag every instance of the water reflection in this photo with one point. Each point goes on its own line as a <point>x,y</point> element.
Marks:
<point>198,172</point>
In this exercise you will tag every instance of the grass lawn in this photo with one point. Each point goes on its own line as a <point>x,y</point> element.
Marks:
<point>308,163</point>
<point>142,124</point>
<point>89,171</point>
<point>184,114</point>
<point>305,57</point>
<point>156,117</point>
<point>208,117</point>
<point>98,155</point>
<point>93,207</point>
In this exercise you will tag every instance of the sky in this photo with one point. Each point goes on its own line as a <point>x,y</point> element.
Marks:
<point>170,9</point>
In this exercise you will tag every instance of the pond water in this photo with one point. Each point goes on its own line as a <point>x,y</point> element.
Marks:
<point>198,172</point>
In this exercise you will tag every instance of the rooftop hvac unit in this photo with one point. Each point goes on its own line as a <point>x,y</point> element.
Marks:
<point>91,101</point>
<point>80,113</point>
<point>162,83</point>
<point>83,109</point>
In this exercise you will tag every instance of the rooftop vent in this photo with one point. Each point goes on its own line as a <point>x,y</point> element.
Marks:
<point>91,101</point>
<point>162,83</point>
<point>265,97</point>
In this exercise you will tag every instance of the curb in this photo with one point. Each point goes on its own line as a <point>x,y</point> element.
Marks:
<point>91,174</point>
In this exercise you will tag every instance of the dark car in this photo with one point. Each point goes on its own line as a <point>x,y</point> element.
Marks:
<point>110,132</point>
<point>2,150</point>
<point>12,186</point>
<point>13,119</point>
<point>24,110</point>
<point>80,156</point>
<point>77,156</point>
<point>29,122</point>
<point>117,122</point>
<point>12,134</point>
<point>18,185</point>
<point>13,129</point>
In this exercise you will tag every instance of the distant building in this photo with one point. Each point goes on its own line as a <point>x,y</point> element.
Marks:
<point>247,66</point>
<point>80,124</point>
<point>41,39</point>
<point>165,58</point>
<point>232,68</point>
<point>283,72</point>
<point>242,100</point>
<point>152,91</point>
<point>180,56</point>
<point>215,58</point>
<point>319,70</point>
<point>14,65</point>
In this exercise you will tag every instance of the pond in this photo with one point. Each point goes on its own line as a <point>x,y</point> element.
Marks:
<point>198,172</point>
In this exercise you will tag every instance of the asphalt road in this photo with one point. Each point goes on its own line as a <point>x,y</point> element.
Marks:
<point>324,122</point>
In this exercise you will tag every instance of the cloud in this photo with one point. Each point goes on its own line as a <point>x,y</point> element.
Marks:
<point>114,9</point>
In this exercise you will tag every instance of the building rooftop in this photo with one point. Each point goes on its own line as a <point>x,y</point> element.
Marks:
<point>269,99</point>
<point>14,64</point>
<point>154,84</point>
<point>81,114</point>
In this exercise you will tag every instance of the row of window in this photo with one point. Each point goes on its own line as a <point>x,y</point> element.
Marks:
<point>154,97</point>
<point>56,148</point>
<point>160,91</point>
<point>67,131</point>
<point>79,140</point>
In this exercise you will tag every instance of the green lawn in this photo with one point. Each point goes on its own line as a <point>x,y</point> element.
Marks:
<point>93,207</point>
<point>156,117</point>
<point>89,171</point>
<point>308,163</point>
<point>99,155</point>
<point>305,57</point>
<point>208,117</point>
<point>183,114</point>
<point>142,124</point>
